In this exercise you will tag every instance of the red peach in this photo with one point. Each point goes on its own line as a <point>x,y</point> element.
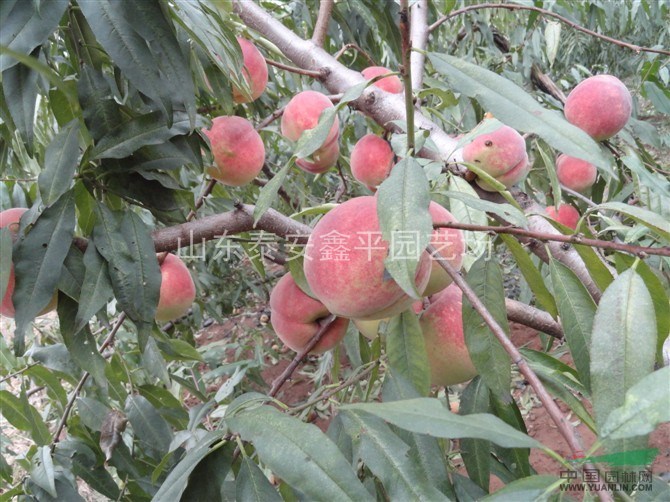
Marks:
<point>177,291</point>
<point>496,152</point>
<point>449,243</point>
<point>599,105</point>
<point>371,160</point>
<point>370,328</point>
<point>576,174</point>
<point>303,112</point>
<point>322,159</point>
<point>255,72</point>
<point>238,150</point>
<point>510,178</point>
<point>390,84</point>
<point>566,215</point>
<point>344,264</point>
<point>296,318</point>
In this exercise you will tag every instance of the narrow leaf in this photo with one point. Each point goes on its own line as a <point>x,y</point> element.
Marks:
<point>537,488</point>
<point>268,193</point>
<point>96,289</point>
<point>406,350</point>
<point>60,163</point>
<point>5,260</point>
<point>655,222</point>
<point>152,429</point>
<point>476,453</point>
<point>19,85</point>
<point>252,485</point>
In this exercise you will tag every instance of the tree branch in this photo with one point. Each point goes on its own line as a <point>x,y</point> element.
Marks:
<point>293,69</point>
<point>532,317</point>
<point>546,13</point>
<point>406,72</point>
<point>358,48</point>
<point>321,25</point>
<point>419,36</point>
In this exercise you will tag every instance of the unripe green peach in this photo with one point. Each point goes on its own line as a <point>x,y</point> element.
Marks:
<point>449,243</point>
<point>599,105</point>
<point>303,112</point>
<point>255,72</point>
<point>390,84</point>
<point>574,173</point>
<point>296,318</point>
<point>496,152</point>
<point>371,160</point>
<point>238,150</point>
<point>566,215</point>
<point>177,292</point>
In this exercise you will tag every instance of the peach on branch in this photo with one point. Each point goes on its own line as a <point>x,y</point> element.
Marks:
<point>237,148</point>
<point>254,71</point>
<point>566,215</point>
<point>510,178</point>
<point>574,173</point>
<point>390,84</point>
<point>442,327</point>
<point>371,160</point>
<point>344,264</point>
<point>600,105</point>
<point>302,113</point>
<point>322,159</point>
<point>296,318</point>
<point>496,152</point>
<point>177,291</point>
<point>370,328</point>
<point>449,244</point>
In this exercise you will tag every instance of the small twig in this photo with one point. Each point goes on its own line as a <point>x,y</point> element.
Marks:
<point>293,69</point>
<point>419,36</point>
<point>570,239</point>
<point>358,48</point>
<point>17,372</point>
<point>546,13</point>
<point>579,196</point>
<point>532,317</point>
<point>18,180</point>
<point>322,20</point>
<point>406,70</point>
<point>35,390</point>
<point>286,374</point>
<point>201,199</point>
<point>270,118</point>
<point>342,189</point>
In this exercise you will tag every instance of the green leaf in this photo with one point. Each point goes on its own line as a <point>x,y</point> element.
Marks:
<point>537,488</point>
<point>268,193</point>
<point>38,259</point>
<point>510,104</point>
<point>552,34</point>
<point>476,453</point>
<point>623,346</point>
<point>42,473</point>
<point>300,454</point>
<point>645,407</point>
<point>649,219</point>
<point>207,480</point>
<point>27,25</point>
<point>576,308</point>
<point>60,163</point>
<point>92,412</point>
<point>19,85</point>
<point>96,289</point>
<point>72,273</point>
<point>402,207</point>
<point>406,350</point>
<point>428,416</point>
<point>252,485</point>
<point>517,460</point>
<point>101,113</point>
<point>505,211</point>
<point>150,428</point>
<point>598,271</point>
<point>5,260</point>
<point>386,455</point>
<point>487,354</point>
<point>313,139</point>
<point>22,415</point>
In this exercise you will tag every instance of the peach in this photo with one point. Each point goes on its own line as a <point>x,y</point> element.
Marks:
<point>254,71</point>
<point>370,329</point>
<point>449,243</point>
<point>371,160</point>
<point>296,318</point>
<point>599,105</point>
<point>390,84</point>
<point>238,150</point>
<point>344,264</point>
<point>566,215</point>
<point>496,152</point>
<point>576,174</point>
<point>303,112</point>
<point>11,218</point>
<point>177,291</point>
<point>510,178</point>
<point>322,159</point>
<point>442,327</point>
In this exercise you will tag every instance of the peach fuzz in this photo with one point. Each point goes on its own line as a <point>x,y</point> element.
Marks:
<point>254,71</point>
<point>177,291</point>
<point>442,327</point>
<point>296,318</point>
<point>371,160</point>
<point>390,84</point>
<point>510,178</point>
<point>344,264</point>
<point>600,106</point>
<point>322,159</point>
<point>566,215</point>
<point>496,152</point>
<point>238,150</point>
<point>11,218</point>
<point>574,173</point>
<point>450,245</point>
<point>302,113</point>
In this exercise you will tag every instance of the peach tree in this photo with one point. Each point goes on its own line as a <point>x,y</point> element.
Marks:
<point>371,197</point>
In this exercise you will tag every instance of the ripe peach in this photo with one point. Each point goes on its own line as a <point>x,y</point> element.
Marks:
<point>566,215</point>
<point>599,105</point>
<point>10,218</point>
<point>303,112</point>
<point>442,327</point>
<point>576,174</point>
<point>255,72</point>
<point>177,291</point>
<point>496,152</point>
<point>322,159</point>
<point>510,178</point>
<point>238,150</point>
<point>370,329</point>
<point>390,84</point>
<point>449,243</point>
<point>371,160</point>
<point>344,264</point>
<point>296,318</point>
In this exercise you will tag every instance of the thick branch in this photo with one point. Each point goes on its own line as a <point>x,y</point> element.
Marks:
<point>534,318</point>
<point>321,25</point>
<point>419,36</point>
<point>545,13</point>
